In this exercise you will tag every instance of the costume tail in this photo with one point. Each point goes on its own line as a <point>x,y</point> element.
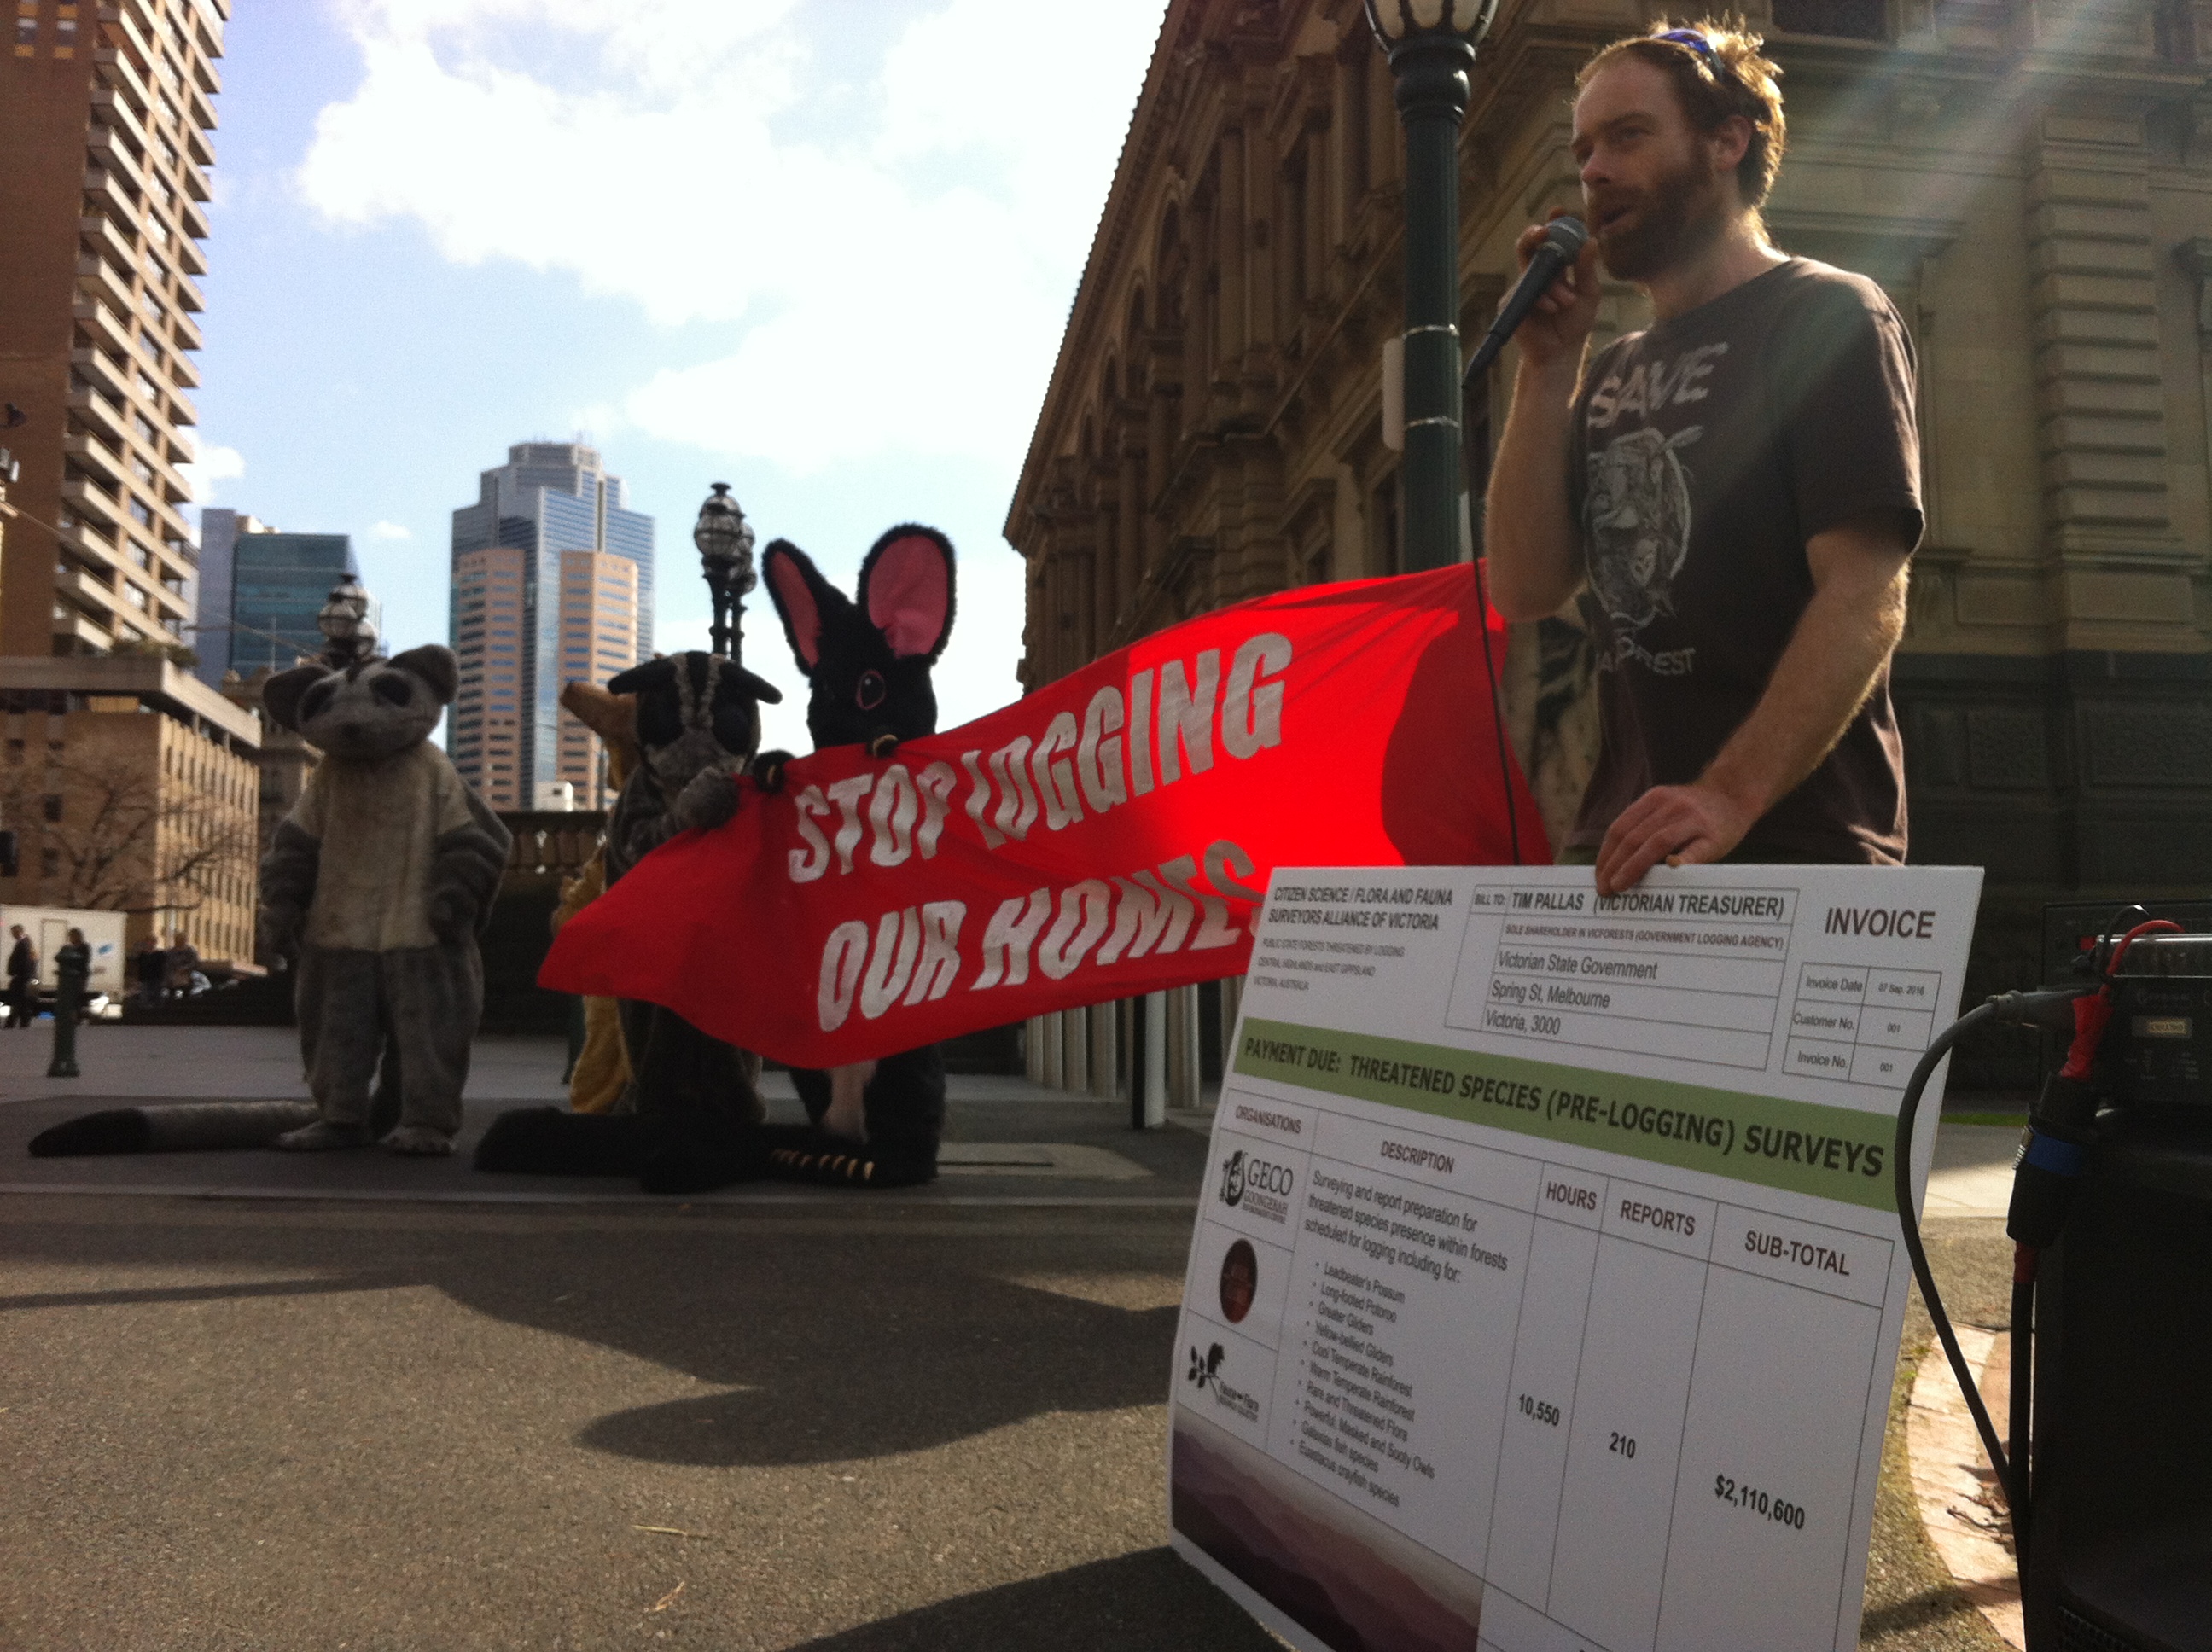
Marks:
<point>667,1155</point>
<point>193,1126</point>
<point>904,1109</point>
<point>828,1161</point>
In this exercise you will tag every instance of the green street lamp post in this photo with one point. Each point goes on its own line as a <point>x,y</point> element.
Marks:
<point>1431,44</point>
<point>725,540</point>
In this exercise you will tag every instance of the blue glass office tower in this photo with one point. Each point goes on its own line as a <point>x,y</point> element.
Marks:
<point>548,498</point>
<point>260,591</point>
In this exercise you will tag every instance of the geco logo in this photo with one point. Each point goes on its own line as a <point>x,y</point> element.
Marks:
<point>1241,1174</point>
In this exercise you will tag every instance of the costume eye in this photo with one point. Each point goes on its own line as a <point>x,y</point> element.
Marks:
<point>392,688</point>
<point>871,692</point>
<point>316,700</point>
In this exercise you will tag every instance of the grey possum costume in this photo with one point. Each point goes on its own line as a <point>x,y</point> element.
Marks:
<point>868,663</point>
<point>691,1120</point>
<point>382,876</point>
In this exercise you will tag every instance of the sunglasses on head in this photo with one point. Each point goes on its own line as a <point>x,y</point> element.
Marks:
<point>1715,65</point>
<point>1693,39</point>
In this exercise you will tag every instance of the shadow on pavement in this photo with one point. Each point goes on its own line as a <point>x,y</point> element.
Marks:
<point>1138,1602</point>
<point>891,1362</point>
<point>827,1343</point>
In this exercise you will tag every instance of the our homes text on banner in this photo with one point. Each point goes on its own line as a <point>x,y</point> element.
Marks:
<point>1548,1284</point>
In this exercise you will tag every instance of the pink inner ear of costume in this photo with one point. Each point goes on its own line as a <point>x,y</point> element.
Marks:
<point>910,595</point>
<point>800,611</point>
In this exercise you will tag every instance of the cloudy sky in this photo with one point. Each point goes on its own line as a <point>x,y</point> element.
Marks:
<point>822,251</point>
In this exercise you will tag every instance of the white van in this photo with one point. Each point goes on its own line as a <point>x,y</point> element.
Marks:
<point>49,927</point>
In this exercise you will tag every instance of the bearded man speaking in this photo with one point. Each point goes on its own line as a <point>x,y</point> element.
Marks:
<point>1738,486</point>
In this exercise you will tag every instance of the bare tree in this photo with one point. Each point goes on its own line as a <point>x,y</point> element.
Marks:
<point>123,843</point>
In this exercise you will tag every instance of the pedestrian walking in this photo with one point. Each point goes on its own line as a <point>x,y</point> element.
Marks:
<point>183,962</point>
<point>22,979</point>
<point>151,966</point>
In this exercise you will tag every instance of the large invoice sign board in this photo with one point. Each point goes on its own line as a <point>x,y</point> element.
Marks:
<point>1547,1283</point>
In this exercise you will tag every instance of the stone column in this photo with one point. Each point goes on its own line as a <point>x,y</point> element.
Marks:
<point>1232,232</point>
<point>1054,1049</point>
<point>2195,257</point>
<point>1105,1051</point>
<point>1155,1059</point>
<point>1075,1050</point>
<point>1183,1049</point>
<point>2116,561</point>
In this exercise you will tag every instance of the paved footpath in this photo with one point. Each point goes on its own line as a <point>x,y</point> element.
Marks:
<point>255,1401</point>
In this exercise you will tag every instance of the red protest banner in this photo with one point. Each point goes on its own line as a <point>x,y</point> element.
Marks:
<point>1108,835</point>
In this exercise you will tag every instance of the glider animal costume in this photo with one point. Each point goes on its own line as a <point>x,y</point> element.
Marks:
<point>600,1078</point>
<point>382,876</point>
<point>691,1120</point>
<point>868,663</point>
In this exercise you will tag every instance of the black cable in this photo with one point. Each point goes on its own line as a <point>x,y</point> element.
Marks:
<point>1908,1111</point>
<point>2018,1007</point>
<point>2100,956</point>
<point>2022,1417</point>
<point>1496,715</point>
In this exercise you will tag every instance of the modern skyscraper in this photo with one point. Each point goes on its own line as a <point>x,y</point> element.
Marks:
<point>599,611</point>
<point>104,116</point>
<point>279,583</point>
<point>211,588</point>
<point>260,590</point>
<point>527,615</point>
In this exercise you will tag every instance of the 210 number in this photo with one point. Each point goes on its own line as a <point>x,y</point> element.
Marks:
<point>1624,1444</point>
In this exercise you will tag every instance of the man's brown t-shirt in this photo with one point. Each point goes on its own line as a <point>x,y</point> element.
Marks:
<point>1708,450</point>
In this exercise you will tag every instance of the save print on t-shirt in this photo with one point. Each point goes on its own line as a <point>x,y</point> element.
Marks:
<point>1638,512</point>
<point>1709,449</point>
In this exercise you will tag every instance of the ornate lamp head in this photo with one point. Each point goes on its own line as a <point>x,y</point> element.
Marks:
<point>345,625</point>
<point>724,539</point>
<point>1399,22</point>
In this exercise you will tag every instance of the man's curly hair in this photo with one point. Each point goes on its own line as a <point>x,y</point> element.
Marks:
<point>1732,77</point>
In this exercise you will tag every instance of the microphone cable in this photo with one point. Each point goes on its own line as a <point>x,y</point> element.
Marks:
<point>1496,710</point>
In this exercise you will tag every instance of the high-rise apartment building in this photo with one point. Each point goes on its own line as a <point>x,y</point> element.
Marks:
<point>529,614</point>
<point>104,116</point>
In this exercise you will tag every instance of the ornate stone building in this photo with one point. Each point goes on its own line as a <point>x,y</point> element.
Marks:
<point>2031,182</point>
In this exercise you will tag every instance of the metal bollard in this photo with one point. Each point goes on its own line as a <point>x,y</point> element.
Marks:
<point>69,993</point>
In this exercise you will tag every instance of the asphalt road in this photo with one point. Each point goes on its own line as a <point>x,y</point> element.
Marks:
<point>833,1421</point>
<point>231,1428</point>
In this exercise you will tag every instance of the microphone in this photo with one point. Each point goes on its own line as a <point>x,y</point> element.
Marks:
<point>1562,245</point>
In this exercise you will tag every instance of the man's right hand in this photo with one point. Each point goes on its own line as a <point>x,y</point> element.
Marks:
<point>1558,326</point>
<point>1534,543</point>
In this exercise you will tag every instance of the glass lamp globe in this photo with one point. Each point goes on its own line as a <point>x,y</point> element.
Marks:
<point>344,617</point>
<point>725,538</point>
<point>1397,21</point>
